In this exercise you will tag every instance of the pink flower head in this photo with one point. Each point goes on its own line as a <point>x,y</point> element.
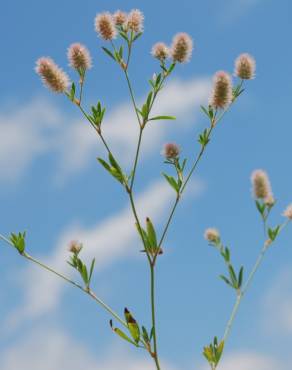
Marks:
<point>52,76</point>
<point>261,185</point>
<point>105,26</point>
<point>171,150</point>
<point>135,21</point>
<point>245,66</point>
<point>212,235</point>
<point>120,18</point>
<point>182,47</point>
<point>288,212</point>
<point>79,57</point>
<point>221,96</point>
<point>75,247</point>
<point>160,51</point>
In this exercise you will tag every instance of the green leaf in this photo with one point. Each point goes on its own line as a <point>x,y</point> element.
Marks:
<point>151,233</point>
<point>172,182</point>
<point>72,91</point>
<point>104,164</point>
<point>162,118</point>
<point>224,278</point>
<point>109,53</point>
<point>145,335</point>
<point>205,110</point>
<point>149,99</point>
<point>18,240</point>
<point>170,69</point>
<point>133,326</point>
<point>121,334</point>
<point>91,270</point>
<point>233,276</point>
<point>240,277</point>
<point>137,36</point>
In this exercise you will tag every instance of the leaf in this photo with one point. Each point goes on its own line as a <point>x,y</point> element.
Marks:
<point>240,277</point>
<point>151,233</point>
<point>172,182</point>
<point>137,36</point>
<point>224,278</point>
<point>171,68</point>
<point>109,53</point>
<point>18,240</point>
<point>91,269</point>
<point>233,276</point>
<point>72,91</point>
<point>104,164</point>
<point>121,334</point>
<point>205,110</point>
<point>162,118</point>
<point>133,326</point>
<point>149,99</point>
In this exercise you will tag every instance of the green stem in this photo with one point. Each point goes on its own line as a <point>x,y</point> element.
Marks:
<point>155,355</point>
<point>68,280</point>
<point>247,285</point>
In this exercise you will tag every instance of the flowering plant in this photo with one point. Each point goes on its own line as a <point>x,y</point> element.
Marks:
<point>121,31</point>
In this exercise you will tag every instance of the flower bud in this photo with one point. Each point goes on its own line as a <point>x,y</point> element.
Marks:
<point>52,76</point>
<point>105,26</point>
<point>120,18</point>
<point>212,235</point>
<point>261,185</point>
<point>135,21</point>
<point>160,51</point>
<point>171,150</point>
<point>75,247</point>
<point>182,47</point>
<point>79,57</point>
<point>245,66</point>
<point>288,212</point>
<point>222,90</point>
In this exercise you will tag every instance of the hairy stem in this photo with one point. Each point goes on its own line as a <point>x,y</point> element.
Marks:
<point>68,280</point>
<point>156,358</point>
<point>247,285</point>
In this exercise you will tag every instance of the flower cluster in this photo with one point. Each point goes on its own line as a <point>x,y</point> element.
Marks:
<point>180,50</point>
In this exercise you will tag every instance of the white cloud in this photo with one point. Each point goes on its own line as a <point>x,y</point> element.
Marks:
<point>40,127</point>
<point>47,349</point>
<point>111,239</point>
<point>249,361</point>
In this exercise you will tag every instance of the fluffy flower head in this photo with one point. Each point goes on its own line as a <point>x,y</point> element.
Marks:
<point>261,185</point>
<point>75,247</point>
<point>135,21</point>
<point>181,48</point>
<point>52,76</point>
<point>160,51</point>
<point>79,57</point>
<point>245,66</point>
<point>288,212</point>
<point>171,150</point>
<point>212,235</point>
<point>105,26</point>
<point>221,96</point>
<point>120,18</point>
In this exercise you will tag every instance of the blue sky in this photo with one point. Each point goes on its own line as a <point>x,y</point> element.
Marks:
<point>52,186</point>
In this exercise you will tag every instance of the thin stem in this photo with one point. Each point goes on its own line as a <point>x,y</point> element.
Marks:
<point>247,284</point>
<point>136,158</point>
<point>68,280</point>
<point>152,270</point>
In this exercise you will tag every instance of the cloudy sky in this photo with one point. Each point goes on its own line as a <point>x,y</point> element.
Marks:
<point>52,186</point>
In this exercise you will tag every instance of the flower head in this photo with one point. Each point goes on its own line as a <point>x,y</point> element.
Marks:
<point>261,185</point>
<point>52,76</point>
<point>245,66</point>
<point>120,18</point>
<point>171,150</point>
<point>181,48</point>
<point>79,57</point>
<point>288,212</point>
<point>160,51</point>
<point>105,26</point>
<point>269,200</point>
<point>75,247</point>
<point>135,21</point>
<point>212,235</point>
<point>222,90</point>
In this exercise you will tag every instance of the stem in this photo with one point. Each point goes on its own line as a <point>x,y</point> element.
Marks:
<point>247,284</point>
<point>136,158</point>
<point>68,280</point>
<point>152,270</point>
